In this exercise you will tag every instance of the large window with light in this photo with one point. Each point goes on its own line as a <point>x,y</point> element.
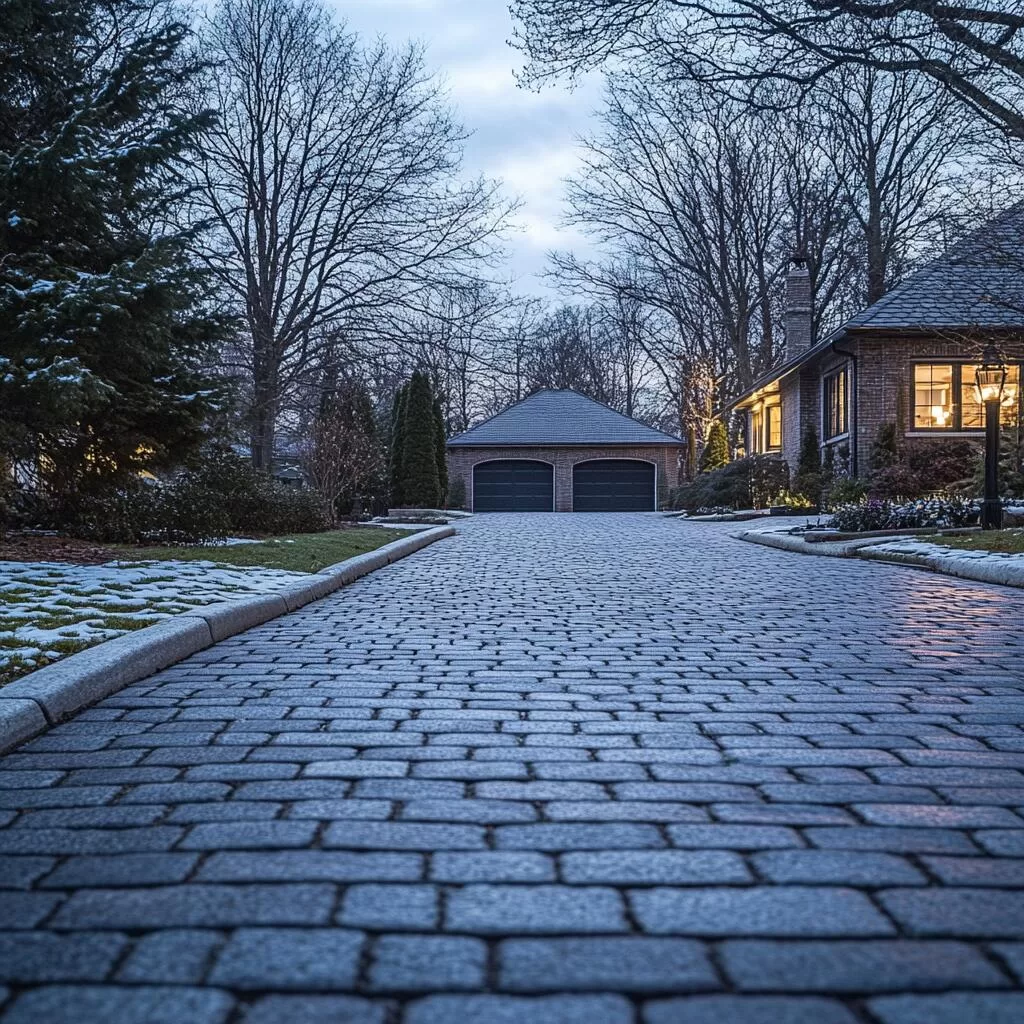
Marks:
<point>766,426</point>
<point>945,397</point>
<point>836,405</point>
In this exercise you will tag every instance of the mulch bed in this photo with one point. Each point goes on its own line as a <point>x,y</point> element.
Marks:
<point>34,547</point>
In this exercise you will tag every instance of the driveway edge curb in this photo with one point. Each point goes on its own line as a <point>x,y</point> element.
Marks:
<point>959,568</point>
<point>53,693</point>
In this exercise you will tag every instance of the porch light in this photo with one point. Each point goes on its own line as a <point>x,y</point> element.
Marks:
<point>991,376</point>
<point>991,380</point>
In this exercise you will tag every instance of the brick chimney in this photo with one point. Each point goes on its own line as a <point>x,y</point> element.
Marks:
<point>798,307</point>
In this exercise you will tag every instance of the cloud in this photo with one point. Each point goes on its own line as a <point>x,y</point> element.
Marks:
<point>525,138</point>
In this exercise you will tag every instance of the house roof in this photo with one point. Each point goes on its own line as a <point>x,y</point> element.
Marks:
<point>978,283</point>
<point>551,417</point>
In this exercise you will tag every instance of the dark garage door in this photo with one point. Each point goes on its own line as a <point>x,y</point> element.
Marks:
<point>513,486</point>
<point>613,485</point>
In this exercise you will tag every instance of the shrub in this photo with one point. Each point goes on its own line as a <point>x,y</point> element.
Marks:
<point>716,450</point>
<point>141,513</point>
<point>884,449</point>
<point>808,478</point>
<point>927,467</point>
<point>845,491</point>
<point>219,496</point>
<point>745,483</point>
<point>457,494</point>
<point>875,514</point>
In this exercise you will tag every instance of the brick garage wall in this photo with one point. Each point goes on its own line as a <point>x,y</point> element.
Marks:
<point>884,378</point>
<point>665,457</point>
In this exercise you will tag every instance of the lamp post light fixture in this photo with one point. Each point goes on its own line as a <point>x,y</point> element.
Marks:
<point>991,380</point>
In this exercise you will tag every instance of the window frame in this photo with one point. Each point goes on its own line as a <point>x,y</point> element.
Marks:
<point>759,425</point>
<point>843,373</point>
<point>956,388</point>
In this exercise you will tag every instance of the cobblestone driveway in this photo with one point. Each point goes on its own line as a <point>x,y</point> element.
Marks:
<point>557,770</point>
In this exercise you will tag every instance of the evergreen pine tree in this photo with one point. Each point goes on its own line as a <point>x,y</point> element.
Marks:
<point>441,443</point>
<point>397,451</point>
<point>716,450</point>
<point>103,329</point>
<point>420,481</point>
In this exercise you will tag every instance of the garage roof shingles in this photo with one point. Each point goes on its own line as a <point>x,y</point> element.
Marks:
<point>560,418</point>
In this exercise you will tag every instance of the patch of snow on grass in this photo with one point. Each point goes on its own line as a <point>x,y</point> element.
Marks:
<point>49,610</point>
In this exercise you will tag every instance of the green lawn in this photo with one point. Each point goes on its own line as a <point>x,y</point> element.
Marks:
<point>303,552</point>
<point>1010,542</point>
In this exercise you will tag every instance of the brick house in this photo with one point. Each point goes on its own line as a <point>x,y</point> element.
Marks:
<point>561,451</point>
<point>908,360</point>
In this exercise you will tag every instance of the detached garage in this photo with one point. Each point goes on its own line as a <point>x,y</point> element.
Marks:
<point>561,451</point>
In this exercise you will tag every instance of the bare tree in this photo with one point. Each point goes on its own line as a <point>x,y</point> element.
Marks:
<point>972,51</point>
<point>690,196</point>
<point>341,454</point>
<point>332,182</point>
<point>897,149</point>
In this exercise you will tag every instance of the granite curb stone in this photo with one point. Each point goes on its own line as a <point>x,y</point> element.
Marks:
<point>54,693</point>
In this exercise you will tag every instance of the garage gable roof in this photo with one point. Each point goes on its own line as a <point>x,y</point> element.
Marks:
<point>551,417</point>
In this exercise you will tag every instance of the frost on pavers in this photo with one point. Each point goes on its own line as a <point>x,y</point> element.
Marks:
<point>49,610</point>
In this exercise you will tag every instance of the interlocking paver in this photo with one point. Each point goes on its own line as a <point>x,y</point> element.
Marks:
<point>303,959</point>
<point>35,957</point>
<point>73,1004</point>
<point>427,963</point>
<point>489,769</point>
<point>843,966</point>
<point>632,964</point>
<point>954,1008</point>
<point>173,957</point>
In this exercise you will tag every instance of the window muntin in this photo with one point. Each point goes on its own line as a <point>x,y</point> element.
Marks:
<point>836,405</point>
<point>945,397</point>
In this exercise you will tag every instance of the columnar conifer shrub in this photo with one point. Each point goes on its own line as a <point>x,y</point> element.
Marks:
<point>716,450</point>
<point>418,480</point>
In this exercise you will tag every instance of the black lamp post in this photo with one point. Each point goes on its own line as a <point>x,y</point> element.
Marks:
<point>991,379</point>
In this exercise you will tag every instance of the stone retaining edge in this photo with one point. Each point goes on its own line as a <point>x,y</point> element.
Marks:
<point>55,692</point>
<point>962,568</point>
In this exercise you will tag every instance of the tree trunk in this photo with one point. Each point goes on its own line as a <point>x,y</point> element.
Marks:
<point>264,416</point>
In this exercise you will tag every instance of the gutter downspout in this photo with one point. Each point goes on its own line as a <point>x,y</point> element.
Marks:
<point>852,356</point>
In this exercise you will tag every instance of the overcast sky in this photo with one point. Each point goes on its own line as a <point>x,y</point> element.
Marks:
<point>525,138</point>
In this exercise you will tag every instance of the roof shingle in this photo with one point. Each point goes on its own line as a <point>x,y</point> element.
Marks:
<point>560,418</point>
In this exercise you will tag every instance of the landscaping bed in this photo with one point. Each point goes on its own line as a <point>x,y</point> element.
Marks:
<point>73,595</point>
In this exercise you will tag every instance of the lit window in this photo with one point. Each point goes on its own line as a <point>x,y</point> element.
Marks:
<point>773,416</point>
<point>945,397</point>
<point>933,396</point>
<point>973,412</point>
<point>766,426</point>
<point>836,414</point>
